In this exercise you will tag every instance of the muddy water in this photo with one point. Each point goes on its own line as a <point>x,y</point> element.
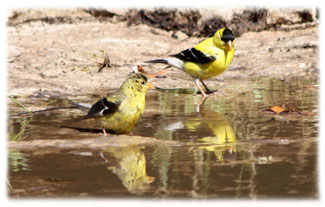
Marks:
<point>226,148</point>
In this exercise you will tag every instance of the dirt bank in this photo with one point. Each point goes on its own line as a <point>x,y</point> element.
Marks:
<point>57,50</point>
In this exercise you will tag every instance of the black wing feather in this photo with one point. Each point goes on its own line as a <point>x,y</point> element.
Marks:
<point>103,107</point>
<point>194,55</point>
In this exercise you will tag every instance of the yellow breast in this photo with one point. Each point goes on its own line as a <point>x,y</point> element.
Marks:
<point>205,71</point>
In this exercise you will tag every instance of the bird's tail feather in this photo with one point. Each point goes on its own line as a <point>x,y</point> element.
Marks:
<point>164,61</point>
<point>175,62</point>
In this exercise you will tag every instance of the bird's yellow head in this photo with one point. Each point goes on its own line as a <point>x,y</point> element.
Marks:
<point>136,83</point>
<point>225,39</point>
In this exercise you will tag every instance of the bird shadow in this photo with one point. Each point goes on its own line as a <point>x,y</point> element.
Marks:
<point>89,130</point>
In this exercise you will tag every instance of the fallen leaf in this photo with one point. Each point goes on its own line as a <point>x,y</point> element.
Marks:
<point>153,75</point>
<point>277,109</point>
<point>274,110</point>
<point>281,111</point>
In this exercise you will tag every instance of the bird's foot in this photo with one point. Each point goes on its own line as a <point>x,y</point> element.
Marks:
<point>207,93</point>
<point>204,95</point>
<point>211,92</point>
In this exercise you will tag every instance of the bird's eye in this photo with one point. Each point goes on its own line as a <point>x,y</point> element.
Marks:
<point>142,82</point>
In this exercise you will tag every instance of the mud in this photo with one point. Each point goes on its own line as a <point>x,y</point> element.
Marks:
<point>59,52</point>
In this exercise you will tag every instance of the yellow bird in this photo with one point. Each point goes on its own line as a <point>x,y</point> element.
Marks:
<point>120,111</point>
<point>130,167</point>
<point>209,58</point>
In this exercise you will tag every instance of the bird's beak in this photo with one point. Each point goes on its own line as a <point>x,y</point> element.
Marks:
<point>149,85</point>
<point>150,179</point>
<point>229,45</point>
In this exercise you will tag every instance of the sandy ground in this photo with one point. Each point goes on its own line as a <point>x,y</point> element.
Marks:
<point>62,57</point>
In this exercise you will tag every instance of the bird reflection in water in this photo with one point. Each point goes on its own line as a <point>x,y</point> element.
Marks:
<point>209,130</point>
<point>130,167</point>
<point>223,143</point>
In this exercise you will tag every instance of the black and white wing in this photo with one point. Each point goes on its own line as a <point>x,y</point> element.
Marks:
<point>103,107</point>
<point>195,56</point>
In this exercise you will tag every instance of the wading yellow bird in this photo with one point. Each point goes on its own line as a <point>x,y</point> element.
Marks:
<point>207,59</point>
<point>120,111</point>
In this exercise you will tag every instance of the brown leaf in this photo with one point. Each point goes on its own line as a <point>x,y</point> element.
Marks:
<point>281,111</point>
<point>153,75</point>
<point>277,109</point>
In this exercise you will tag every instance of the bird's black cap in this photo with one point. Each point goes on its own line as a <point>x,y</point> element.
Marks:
<point>227,35</point>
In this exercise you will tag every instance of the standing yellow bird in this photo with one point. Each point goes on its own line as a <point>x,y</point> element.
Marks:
<point>207,59</point>
<point>120,111</point>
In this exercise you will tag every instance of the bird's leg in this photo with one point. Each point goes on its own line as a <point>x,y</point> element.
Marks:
<point>205,86</point>
<point>207,89</point>
<point>104,131</point>
<point>196,81</point>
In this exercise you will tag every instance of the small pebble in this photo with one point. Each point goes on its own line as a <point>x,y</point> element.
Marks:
<point>302,65</point>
